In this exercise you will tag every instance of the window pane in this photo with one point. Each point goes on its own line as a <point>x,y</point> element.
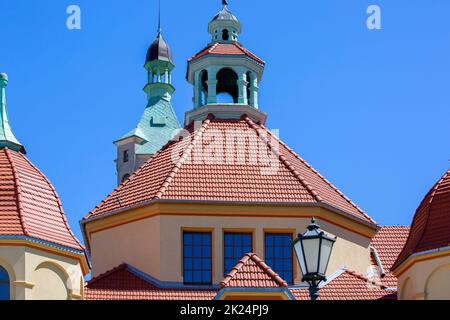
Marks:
<point>187,239</point>
<point>3,275</point>
<point>197,258</point>
<point>279,255</point>
<point>228,252</point>
<point>4,285</point>
<point>236,246</point>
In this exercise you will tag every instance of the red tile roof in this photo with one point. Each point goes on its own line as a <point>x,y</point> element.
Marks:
<point>430,228</point>
<point>29,205</point>
<point>122,284</point>
<point>233,49</point>
<point>252,272</point>
<point>193,178</point>
<point>349,286</point>
<point>389,242</point>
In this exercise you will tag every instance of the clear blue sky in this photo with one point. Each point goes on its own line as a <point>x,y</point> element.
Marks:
<point>369,110</point>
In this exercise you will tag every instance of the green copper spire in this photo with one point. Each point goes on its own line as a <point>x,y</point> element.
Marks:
<point>159,122</point>
<point>7,138</point>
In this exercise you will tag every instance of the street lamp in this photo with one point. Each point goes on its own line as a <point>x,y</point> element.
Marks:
<point>313,251</point>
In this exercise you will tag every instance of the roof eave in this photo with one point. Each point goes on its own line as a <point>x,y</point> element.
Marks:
<point>369,224</point>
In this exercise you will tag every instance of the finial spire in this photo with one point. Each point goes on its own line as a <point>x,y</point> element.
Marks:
<point>159,18</point>
<point>225,2</point>
<point>7,138</point>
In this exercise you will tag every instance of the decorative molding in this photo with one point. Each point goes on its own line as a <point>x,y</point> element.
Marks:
<point>27,285</point>
<point>225,111</point>
<point>47,247</point>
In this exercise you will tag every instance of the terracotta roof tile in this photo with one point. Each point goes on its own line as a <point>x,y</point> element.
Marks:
<point>29,205</point>
<point>226,49</point>
<point>194,178</point>
<point>349,286</point>
<point>388,243</point>
<point>122,284</point>
<point>431,223</point>
<point>252,272</point>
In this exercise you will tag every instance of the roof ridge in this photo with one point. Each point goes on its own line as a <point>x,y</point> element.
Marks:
<point>249,53</point>
<point>124,183</point>
<point>427,201</point>
<point>210,50</point>
<point>234,270</point>
<point>58,200</point>
<point>364,278</point>
<point>18,192</point>
<point>283,159</point>
<point>431,195</point>
<point>322,177</point>
<point>183,158</point>
<point>275,276</point>
<point>260,263</point>
<point>438,185</point>
<point>107,273</point>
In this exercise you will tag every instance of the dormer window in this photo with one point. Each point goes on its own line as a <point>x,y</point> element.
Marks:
<point>158,121</point>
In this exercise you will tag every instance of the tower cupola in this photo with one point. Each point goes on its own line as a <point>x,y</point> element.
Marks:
<point>158,121</point>
<point>225,75</point>
<point>159,65</point>
<point>224,27</point>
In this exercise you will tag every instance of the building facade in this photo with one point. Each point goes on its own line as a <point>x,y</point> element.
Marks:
<point>224,200</point>
<point>40,258</point>
<point>208,211</point>
<point>423,266</point>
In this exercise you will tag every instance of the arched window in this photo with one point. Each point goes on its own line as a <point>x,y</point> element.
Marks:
<point>224,98</point>
<point>227,83</point>
<point>4,284</point>
<point>203,87</point>
<point>225,35</point>
<point>249,86</point>
<point>126,156</point>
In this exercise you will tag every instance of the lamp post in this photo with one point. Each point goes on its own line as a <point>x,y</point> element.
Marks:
<point>313,251</point>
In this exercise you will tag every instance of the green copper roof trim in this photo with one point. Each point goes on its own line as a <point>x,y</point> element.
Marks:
<point>156,126</point>
<point>7,137</point>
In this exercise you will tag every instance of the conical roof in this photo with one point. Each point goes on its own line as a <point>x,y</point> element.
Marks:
<point>30,208</point>
<point>159,50</point>
<point>430,228</point>
<point>225,14</point>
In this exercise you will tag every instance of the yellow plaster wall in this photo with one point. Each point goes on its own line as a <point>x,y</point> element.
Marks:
<point>154,245</point>
<point>428,279</point>
<point>136,243</point>
<point>351,250</point>
<point>36,274</point>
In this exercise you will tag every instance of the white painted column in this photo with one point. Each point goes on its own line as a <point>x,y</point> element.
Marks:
<point>254,89</point>
<point>197,90</point>
<point>242,85</point>
<point>212,91</point>
<point>158,74</point>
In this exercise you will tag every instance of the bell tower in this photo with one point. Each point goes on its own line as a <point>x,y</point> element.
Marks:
<point>225,75</point>
<point>159,122</point>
